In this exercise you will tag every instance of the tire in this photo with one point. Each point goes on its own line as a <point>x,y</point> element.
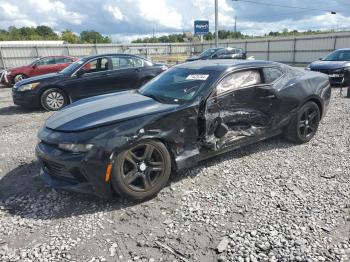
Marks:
<point>53,99</point>
<point>141,171</point>
<point>18,78</point>
<point>303,126</point>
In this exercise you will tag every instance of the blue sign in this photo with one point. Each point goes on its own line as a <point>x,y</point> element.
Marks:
<point>201,27</point>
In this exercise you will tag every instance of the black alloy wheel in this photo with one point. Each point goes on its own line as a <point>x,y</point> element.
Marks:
<point>304,124</point>
<point>308,122</point>
<point>141,171</point>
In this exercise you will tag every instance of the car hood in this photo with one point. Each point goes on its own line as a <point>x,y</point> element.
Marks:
<point>328,65</point>
<point>105,110</point>
<point>42,78</point>
<point>17,69</point>
<point>194,58</point>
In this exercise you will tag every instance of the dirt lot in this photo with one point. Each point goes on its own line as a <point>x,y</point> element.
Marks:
<point>273,201</point>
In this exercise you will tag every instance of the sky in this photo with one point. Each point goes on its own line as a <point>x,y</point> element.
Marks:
<point>125,20</point>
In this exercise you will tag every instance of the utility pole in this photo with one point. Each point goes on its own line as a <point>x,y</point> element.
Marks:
<point>216,24</point>
<point>235,30</point>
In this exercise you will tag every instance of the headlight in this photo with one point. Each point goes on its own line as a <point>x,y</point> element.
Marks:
<point>27,87</point>
<point>308,68</point>
<point>76,148</point>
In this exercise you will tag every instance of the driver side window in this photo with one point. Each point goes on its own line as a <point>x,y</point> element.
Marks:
<point>97,65</point>
<point>46,61</point>
<point>239,80</point>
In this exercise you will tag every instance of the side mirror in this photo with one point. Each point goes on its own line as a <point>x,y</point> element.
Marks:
<point>80,72</point>
<point>34,66</point>
<point>214,56</point>
<point>320,58</point>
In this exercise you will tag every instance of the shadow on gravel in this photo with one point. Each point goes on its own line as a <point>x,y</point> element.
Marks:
<point>14,110</point>
<point>263,146</point>
<point>23,194</point>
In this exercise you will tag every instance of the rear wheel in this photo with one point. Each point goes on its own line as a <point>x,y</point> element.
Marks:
<point>18,78</point>
<point>53,99</point>
<point>304,124</point>
<point>141,171</point>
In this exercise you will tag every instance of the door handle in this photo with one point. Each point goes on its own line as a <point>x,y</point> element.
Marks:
<point>268,97</point>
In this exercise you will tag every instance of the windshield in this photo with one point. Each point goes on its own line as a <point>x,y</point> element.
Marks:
<point>34,62</point>
<point>72,67</point>
<point>339,55</point>
<point>178,85</point>
<point>209,52</point>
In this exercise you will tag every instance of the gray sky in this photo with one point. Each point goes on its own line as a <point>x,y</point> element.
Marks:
<point>127,19</point>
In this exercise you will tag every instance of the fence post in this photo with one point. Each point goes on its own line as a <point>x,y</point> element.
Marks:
<point>268,49</point>
<point>68,49</point>
<point>246,46</point>
<point>37,51</point>
<point>294,49</point>
<point>335,42</point>
<point>2,58</point>
<point>95,46</point>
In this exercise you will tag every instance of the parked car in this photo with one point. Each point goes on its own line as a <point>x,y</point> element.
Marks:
<point>89,76</point>
<point>220,53</point>
<point>40,66</point>
<point>128,142</point>
<point>336,65</point>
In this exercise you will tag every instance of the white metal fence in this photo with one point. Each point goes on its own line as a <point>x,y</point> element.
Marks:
<point>290,50</point>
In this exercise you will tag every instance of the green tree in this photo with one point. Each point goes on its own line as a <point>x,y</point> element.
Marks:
<point>69,37</point>
<point>93,37</point>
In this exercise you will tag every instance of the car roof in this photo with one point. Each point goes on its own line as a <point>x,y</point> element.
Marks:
<point>224,64</point>
<point>111,54</point>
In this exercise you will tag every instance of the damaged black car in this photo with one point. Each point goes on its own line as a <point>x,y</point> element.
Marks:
<point>129,142</point>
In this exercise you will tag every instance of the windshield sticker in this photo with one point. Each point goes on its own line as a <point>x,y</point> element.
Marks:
<point>197,77</point>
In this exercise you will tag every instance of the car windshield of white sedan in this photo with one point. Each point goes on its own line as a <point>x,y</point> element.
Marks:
<point>339,55</point>
<point>177,85</point>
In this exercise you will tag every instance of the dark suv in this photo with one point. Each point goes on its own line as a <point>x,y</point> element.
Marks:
<point>220,53</point>
<point>89,76</point>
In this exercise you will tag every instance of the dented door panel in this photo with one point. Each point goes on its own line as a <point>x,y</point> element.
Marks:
<point>247,112</point>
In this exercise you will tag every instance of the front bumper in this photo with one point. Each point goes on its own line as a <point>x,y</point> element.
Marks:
<point>26,98</point>
<point>335,78</point>
<point>73,172</point>
<point>5,79</point>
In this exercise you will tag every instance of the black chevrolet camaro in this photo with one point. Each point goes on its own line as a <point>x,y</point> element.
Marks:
<point>129,142</point>
<point>89,76</point>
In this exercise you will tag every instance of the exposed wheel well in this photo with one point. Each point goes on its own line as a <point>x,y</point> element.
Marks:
<point>318,103</point>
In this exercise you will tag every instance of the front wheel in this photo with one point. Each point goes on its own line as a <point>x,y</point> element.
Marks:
<point>141,171</point>
<point>53,99</point>
<point>304,124</point>
<point>18,78</point>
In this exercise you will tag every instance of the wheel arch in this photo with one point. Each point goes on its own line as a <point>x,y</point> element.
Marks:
<point>56,87</point>
<point>317,101</point>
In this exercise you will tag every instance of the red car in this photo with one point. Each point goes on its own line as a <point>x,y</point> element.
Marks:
<point>40,66</point>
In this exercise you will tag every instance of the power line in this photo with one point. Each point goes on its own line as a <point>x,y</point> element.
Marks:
<point>285,6</point>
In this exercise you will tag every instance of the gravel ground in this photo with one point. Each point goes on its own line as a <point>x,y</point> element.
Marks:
<point>272,201</point>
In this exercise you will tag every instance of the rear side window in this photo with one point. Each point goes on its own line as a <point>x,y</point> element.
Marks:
<point>126,62</point>
<point>239,80</point>
<point>62,60</point>
<point>46,61</point>
<point>271,74</point>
